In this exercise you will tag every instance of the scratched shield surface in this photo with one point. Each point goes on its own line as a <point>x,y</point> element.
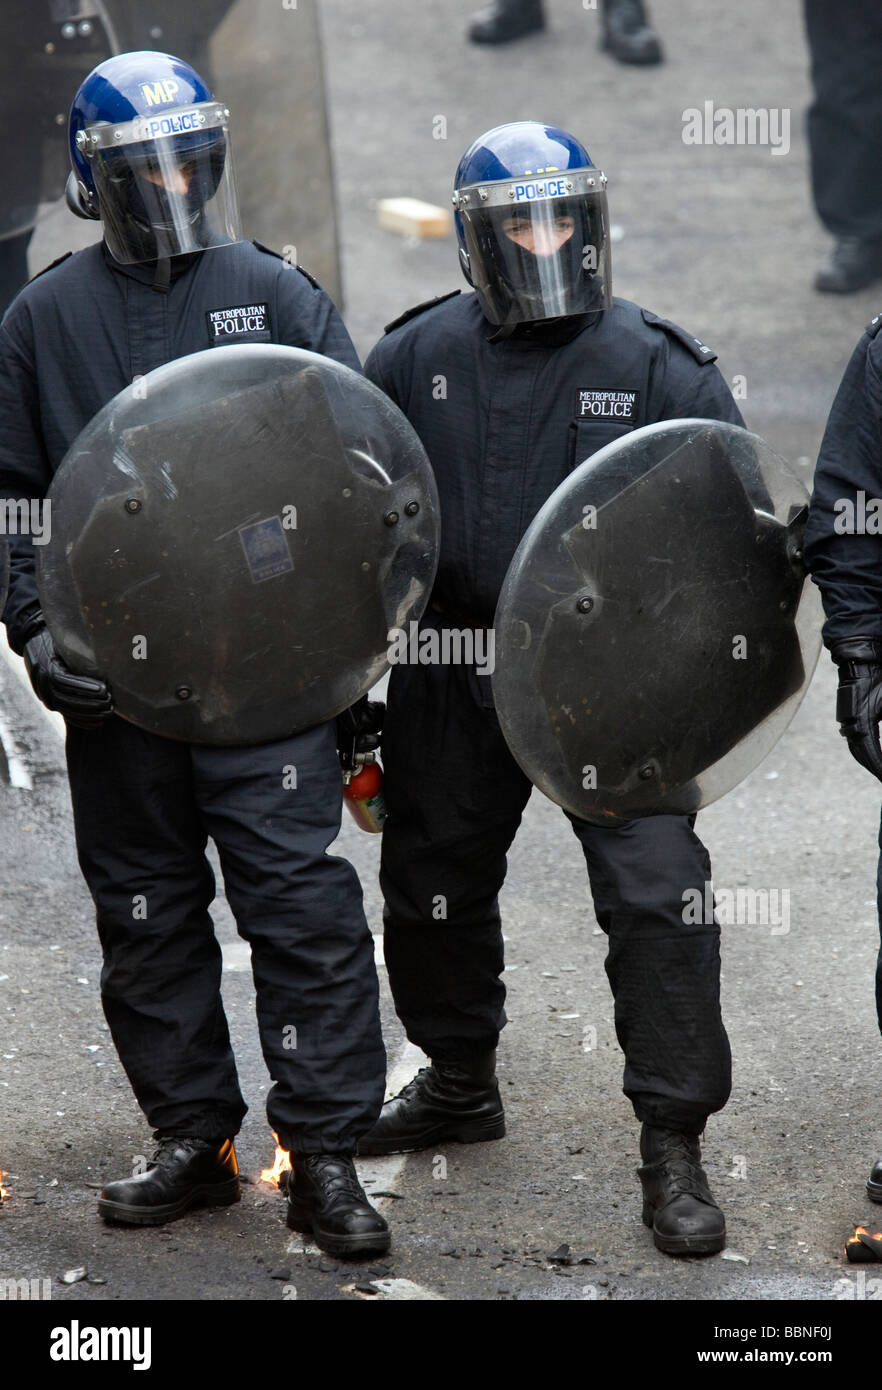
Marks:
<point>656,630</point>
<point>233,538</point>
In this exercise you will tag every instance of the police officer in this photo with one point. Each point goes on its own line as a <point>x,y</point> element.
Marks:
<point>515,357</point>
<point>842,552</point>
<point>626,31</point>
<point>150,155</point>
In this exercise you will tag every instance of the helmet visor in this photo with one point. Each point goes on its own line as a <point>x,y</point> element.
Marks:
<point>165,183</point>
<point>539,257</point>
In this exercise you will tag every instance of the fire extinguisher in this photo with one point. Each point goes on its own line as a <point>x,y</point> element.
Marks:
<point>363,793</point>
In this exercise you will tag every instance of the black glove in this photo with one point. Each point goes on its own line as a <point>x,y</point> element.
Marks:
<point>83,700</point>
<point>358,731</point>
<point>859,698</point>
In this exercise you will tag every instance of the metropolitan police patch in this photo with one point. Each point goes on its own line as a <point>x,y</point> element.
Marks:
<point>241,323</point>
<point>266,549</point>
<point>595,404</point>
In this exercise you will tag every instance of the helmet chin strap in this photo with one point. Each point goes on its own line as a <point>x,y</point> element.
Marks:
<point>162,275</point>
<point>503,332</point>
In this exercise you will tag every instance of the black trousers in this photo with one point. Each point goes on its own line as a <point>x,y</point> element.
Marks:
<point>845,119</point>
<point>879,957</point>
<point>455,797</point>
<point>143,809</point>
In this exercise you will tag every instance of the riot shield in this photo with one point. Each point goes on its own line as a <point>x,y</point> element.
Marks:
<point>233,537</point>
<point>48,47</point>
<point>656,631</point>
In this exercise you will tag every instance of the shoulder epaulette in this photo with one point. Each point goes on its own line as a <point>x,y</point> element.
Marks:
<point>418,309</point>
<point>699,350</point>
<point>279,257</point>
<point>46,268</point>
<point>873,326</point>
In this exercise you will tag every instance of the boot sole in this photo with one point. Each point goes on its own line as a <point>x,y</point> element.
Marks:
<point>475,1132</point>
<point>874,1191</point>
<point>684,1245</point>
<point>335,1244</point>
<point>222,1194</point>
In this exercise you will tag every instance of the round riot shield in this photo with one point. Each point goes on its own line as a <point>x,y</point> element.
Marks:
<point>233,538</point>
<point>656,630</point>
<point>48,47</point>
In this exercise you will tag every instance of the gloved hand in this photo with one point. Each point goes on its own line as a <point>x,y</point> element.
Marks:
<point>83,700</point>
<point>358,730</point>
<point>859,698</point>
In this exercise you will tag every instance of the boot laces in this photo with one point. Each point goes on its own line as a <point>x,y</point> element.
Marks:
<point>414,1090</point>
<point>631,14</point>
<point>337,1178</point>
<point>169,1143</point>
<point>682,1168</point>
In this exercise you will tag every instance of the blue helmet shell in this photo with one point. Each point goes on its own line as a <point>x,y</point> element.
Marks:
<point>518,148</point>
<point>120,89</point>
<point>510,152</point>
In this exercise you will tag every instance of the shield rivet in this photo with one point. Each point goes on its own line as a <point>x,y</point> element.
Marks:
<point>585,605</point>
<point>133,505</point>
<point>647,772</point>
<point>411,509</point>
<point>390,519</point>
<point>183,692</point>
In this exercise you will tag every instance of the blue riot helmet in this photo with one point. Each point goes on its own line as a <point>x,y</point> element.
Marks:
<point>150,151</point>
<point>532,223</point>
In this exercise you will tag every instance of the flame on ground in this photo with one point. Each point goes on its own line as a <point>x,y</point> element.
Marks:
<point>281,1164</point>
<point>4,1191</point>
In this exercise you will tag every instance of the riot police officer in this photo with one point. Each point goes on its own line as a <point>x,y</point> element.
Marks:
<point>842,552</point>
<point>151,158</point>
<point>515,358</point>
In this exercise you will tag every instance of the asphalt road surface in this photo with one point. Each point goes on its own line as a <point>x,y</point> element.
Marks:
<point>724,240</point>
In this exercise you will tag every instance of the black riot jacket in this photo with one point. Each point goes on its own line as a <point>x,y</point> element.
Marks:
<point>85,328</point>
<point>505,421</point>
<point>843,536</point>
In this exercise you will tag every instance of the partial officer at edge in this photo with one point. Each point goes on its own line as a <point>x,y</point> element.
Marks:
<point>842,541</point>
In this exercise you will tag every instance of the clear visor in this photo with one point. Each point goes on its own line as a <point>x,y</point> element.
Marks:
<point>538,258</point>
<point>165,183</point>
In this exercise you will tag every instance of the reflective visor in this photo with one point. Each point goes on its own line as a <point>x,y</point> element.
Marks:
<point>538,249</point>
<point>165,183</point>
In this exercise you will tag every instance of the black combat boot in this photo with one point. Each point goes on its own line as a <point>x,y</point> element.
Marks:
<point>627,34</point>
<point>326,1198</point>
<point>677,1201</point>
<point>874,1185</point>
<point>851,265</point>
<point>445,1101</point>
<point>507,19</point>
<point>185,1173</point>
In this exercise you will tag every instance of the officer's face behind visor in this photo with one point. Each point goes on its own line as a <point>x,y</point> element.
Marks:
<point>540,260</point>
<point>166,197</point>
